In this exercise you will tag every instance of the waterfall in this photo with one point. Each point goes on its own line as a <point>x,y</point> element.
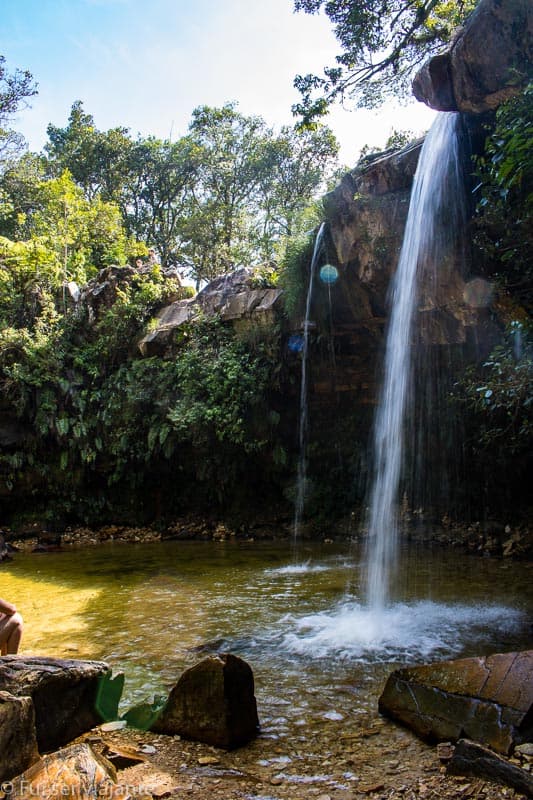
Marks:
<point>301,477</point>
<point>435,215</point>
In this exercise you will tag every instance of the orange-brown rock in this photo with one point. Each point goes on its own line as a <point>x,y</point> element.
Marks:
<point>489,699</point>
<point>75,772</point>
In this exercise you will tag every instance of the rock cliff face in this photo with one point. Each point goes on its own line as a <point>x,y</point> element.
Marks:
<point>459,315</point>
<point>235,298</point>
<point>366,217</point>
<point>487,62</point>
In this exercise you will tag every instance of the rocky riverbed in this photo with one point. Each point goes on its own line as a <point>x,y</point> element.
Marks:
<point>382,762</point>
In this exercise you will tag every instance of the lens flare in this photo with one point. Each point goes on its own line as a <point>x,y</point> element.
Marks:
<point>296,343</point>
<point>329,273</point>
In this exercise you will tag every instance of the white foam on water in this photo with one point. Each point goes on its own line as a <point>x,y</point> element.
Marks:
<point>303,568</point>
<point>402,631</point>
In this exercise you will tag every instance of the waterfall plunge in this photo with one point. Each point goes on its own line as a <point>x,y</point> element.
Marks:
<point>436,215</point>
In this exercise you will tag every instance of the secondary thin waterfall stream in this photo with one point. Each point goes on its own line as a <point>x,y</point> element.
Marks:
<point>430,234</point>
<point>301,477</point>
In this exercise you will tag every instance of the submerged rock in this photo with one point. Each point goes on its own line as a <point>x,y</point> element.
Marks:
<point>489,700</point>
<point>63,693</point>
<point>213,702</point>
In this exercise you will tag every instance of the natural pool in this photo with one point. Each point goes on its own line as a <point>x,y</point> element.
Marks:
<point>151,610</point>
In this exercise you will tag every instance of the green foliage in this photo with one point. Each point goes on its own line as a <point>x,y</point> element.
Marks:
<point>30,360</point>
<point>66,237</point>
<point>296,258</point>
<point>111,339</point>
<point>382,43</point>
<point>84,235</point>
<point>300,164</point>
<point>204,410</point>
<point>505,190</point>
<point>225,203</point>
<point>53,375</point>
<point>143,715</point>
<point>218,198</point>
<point>99,416</point>
<point>501,395</point>
<point>155,197</point>
<point>98,161</point>
<point>495,401</point>
<point>30,272</point>
<point>108,693</point>
<point>219,383</point>
<point>19,190</point>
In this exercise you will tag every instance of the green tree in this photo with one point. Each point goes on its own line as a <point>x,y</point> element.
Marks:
<point>15,90</point>
<point>225,198</point>
<point>156,198</point>
<point>217,198</point>
<point>59,236</point>
<point>85,235</point>
<point>97,160</point>
<point>299,165</point>
<point>30,274</point>
<point>382,43</point>
<point>19,195</point>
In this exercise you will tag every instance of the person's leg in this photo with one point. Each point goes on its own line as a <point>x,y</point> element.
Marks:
<point>10,633</point>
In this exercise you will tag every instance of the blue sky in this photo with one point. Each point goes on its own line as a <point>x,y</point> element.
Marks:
<point>146,64</point>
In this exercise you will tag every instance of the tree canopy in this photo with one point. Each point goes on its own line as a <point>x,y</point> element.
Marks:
<point>382,43</point>
<point>15,89</point>
<point>219,197</point>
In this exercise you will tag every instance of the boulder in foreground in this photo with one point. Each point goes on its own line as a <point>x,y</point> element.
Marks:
<point>74,772</point>
<point>213,702</point>
<point>63,693</point>
<point>488,700</point>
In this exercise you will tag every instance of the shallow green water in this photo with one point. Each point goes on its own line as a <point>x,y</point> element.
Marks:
<point>151,610</point>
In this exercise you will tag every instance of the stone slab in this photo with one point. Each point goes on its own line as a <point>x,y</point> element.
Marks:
<point>487,699</point>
